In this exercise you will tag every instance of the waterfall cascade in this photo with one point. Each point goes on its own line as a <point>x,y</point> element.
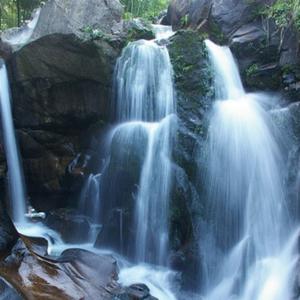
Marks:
<point>15,171</point>
<point>144,111</point>
<point>145,99</point>
<point>23,34</point>
<point>16,186</point>
<point>248,247</point>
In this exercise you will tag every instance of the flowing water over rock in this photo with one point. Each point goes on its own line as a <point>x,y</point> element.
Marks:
<point>144,110</point>
<point>15,172</point>
<point>16,187</point>
<point>20,36</point>
<point>144,93</point>
<point>248,248</point>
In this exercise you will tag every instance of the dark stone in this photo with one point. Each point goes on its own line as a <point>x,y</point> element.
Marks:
<point>58,94</point>
<point>72,227</point>
<point>193,83</point>
<point>8,233</point>
<point>138,29</point>
<point>7,292</point>
<point>5,50</point>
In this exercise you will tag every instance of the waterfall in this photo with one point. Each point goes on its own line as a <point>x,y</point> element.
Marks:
<point>15,177</point>
<point>248,246</point>
<point>145,100</point>
<point>21,36</point>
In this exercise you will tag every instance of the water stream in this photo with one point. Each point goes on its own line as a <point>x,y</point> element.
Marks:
<point>15,176</point>
<point>248,248</point>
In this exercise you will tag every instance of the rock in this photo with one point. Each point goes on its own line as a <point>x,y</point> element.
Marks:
<point>177,11</point>
<point>73,17</point>
<point>138,29</point>
<point>5,50</point>
<point>58,94</point>
<point>8,233</point>
<point>228,15</point>
<point>75,275</point>
<point>73,228</point>
<point>254,41</point>
<point>287,121</point>
<point>139,291</point>
<point>7,292</point>
<point>193,82</point>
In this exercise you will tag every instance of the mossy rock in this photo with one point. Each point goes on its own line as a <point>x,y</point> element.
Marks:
<point>139,29</point>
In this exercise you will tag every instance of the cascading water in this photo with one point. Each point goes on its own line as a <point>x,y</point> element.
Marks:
<point>15,173</point>
<point>245,249</point>
<point>23,34</point>
<point>144,110</point>
<point>16,187</point>
<point>144,93</point>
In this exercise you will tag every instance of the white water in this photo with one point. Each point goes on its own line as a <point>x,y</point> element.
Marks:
<point>248,248</point>
<point>16,187</point>
<point>144,94</point>
<point>162,32</point>
<point>145,113</point>
<point>23,34</point>
<point>15,172</point>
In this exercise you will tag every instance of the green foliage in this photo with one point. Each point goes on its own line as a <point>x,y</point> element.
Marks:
<point>252,70</point>
<point>144,8</point>
<point>15,12</point>
<point>92,33</point>
<point>184,20</point>
<point>285,13</point>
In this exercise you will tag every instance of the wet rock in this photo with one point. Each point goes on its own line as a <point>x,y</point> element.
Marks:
<point>8,233</point>
<point>5,50</point>
<point>75,275</point>
<point>138,29</point>
<point>139,291</point>
<point>72,227</point>
<point>287,121</point>
<point>58,94</point>
<point>255,41</point>
<point>194,99</point>
<point>7,292</point>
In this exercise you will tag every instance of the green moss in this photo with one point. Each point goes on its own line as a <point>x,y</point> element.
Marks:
<point>189,58</point>
<point>216,33</point>
<point>252,70</point>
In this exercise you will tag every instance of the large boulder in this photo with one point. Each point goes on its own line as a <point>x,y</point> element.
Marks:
<point>193,81</point>
<point>61,84</point>
<point>66,17</point>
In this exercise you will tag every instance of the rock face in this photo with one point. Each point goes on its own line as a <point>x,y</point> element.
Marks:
<point>193,86</point>
<point>61,85</point>
<point>58,93</point>
<point>255,41</point>
<point>287,120</point>
<point>71,17</point>
<point>8,233</point>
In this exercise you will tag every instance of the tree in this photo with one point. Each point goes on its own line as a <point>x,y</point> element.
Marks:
<point>286,14</point>
<point>144,8</point>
